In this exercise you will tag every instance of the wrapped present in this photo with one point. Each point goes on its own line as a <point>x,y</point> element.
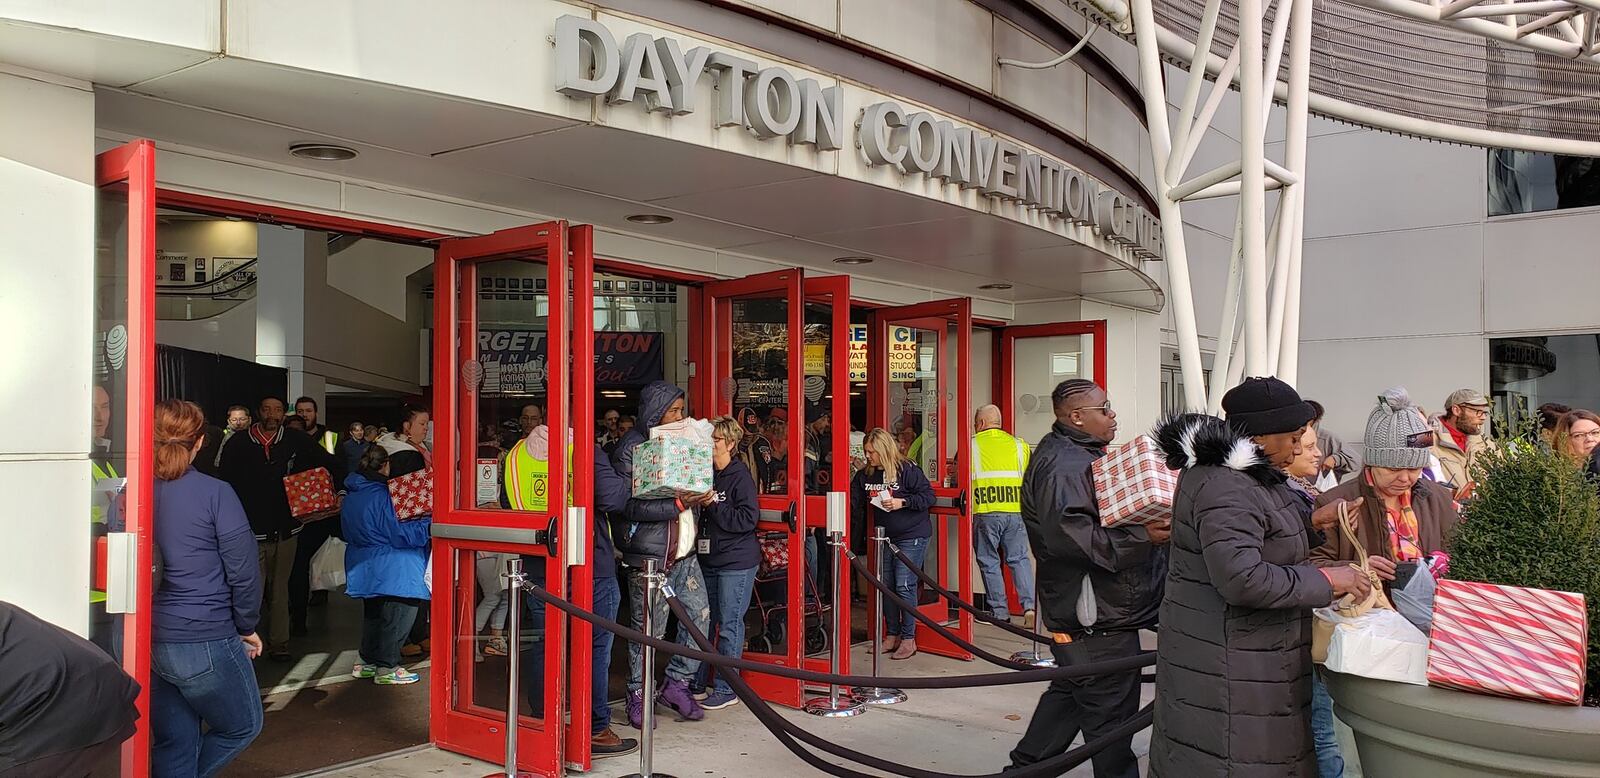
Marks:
<point>1509,641</point>
<point>412,494</point>
<point>1133,485</point>
<point>664,466</point>
<point>310,493</point>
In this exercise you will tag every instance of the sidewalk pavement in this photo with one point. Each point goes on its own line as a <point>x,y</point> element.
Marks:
<point>951,731</point>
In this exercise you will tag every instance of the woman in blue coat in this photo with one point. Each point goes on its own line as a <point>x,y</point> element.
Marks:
<point>384,565</point>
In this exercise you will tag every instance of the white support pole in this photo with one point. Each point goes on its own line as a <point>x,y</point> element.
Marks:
<point>1219,90</point>
<point>1153,85</point>
<point>1278,248</point>
<point>1217,175</point>
<point>1191,95</point>
<point>1224,189</point>
<point>1222,363</point>
<point>1252,192</point>
<point>1295,159</point>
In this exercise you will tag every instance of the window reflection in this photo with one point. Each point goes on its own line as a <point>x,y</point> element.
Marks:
<point>1530,182</point>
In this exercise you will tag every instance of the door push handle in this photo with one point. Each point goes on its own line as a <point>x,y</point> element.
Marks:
<point>960,502</point>
<point>789,516</point>
<point>551,532</point>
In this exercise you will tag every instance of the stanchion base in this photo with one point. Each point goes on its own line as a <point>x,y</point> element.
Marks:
<point>827,707</point>
<point>1033,660</point>
<point>874,695</point>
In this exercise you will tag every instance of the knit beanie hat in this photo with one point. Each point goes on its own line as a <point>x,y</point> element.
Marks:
<point>1266,406</point>
<point>1392,428</point>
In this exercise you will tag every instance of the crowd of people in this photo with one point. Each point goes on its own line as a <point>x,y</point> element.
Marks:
<point>1231,580</point>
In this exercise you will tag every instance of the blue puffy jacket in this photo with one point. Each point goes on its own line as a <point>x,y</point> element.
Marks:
<point>385,556</point>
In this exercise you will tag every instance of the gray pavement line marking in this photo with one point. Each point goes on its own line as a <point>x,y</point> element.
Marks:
<point>365,760</point>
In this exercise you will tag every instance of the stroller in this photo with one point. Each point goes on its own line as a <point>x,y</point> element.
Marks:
<point>766,618</point>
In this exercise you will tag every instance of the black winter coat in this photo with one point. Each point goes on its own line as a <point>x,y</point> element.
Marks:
<point>1233,672</point>
<point>1060,512</point>
<point>644,528</point>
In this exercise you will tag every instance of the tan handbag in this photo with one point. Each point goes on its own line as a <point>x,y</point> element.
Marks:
<point>1321,630</point>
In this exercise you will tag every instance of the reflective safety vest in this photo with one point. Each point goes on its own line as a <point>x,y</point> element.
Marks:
<point>97,514</point>
<point>998,460</point>
<point>527,479</point>
<point>329,440</point>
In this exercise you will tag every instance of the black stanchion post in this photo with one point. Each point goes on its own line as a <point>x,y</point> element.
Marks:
<point>878,695</point>
<point>653,579</point>
<point>515,580</point>
<point>834,705</point>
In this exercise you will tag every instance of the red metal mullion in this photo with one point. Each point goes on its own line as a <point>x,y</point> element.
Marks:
<point>445,381</point>
<point>837,291</point>
<point>580,670</point>
<point>963,321</point>
<point>795,293</point>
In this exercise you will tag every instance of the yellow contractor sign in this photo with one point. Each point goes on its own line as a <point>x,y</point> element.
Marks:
<point>902,354</point>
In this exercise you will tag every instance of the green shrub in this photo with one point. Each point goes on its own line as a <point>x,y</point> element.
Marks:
<point>1534,521</point>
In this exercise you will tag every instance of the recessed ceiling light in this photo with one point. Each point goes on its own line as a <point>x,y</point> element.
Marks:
<point>322,152</point>
<point>650,218</point>
<point>853,260</point>
<point>995,286</point>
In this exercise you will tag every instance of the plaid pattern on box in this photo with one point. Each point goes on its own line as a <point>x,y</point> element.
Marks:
<point>664,466</point>
<point>412,494</point>
<point>1133,485</point>
<point>1509,641</point>
<point>310,492</point>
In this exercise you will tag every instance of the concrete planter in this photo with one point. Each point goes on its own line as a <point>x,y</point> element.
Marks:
<point>1403,730</point>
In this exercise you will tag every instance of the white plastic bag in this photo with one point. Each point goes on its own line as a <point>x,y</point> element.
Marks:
<point>1379,644</point>
<point>427,572</point>
<point>327,566</point>
<point>695,430</point>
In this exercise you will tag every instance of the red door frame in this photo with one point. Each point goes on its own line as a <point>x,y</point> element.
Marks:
<point>458,726</point>
<point>936,315</point>
<point>834,291</point>
<point>716,342</point>
<point>580,670</point>
<point>133,165</point>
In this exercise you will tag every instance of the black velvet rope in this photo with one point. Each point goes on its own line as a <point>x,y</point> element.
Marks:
<point>787,732</point>
<point>956,600</point>
<point>1030,675</point>
<point>995,659</point>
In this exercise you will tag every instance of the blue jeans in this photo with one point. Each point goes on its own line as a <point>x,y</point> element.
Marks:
<point>1330,761</point>
<point>729,594</point>
<point>200,686</point>
<point>993,533</point>
<point>685,579</point>
<point>897,622</point>
<point>607,598</point>
<point>385,623</point>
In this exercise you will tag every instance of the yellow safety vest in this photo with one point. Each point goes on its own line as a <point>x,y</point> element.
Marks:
<point>998,460</point>
<point>527,479</point>
<point>97,515</point>
<point>329,441</point>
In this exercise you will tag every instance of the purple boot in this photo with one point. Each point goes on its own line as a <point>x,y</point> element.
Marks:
<point>636,710</point>
<point>677,697</point>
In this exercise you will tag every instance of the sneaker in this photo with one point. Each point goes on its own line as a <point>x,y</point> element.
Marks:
<point>636,709</point>
<point>363,671</point>
<point>396,677</point>
<point>496,647</point>
<point>675,696</point>
<point>1029,619</point>
<point>609,743</point>
<point>719,700</point>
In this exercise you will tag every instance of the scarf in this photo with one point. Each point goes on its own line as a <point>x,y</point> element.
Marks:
<point>261,438</point>
<point>1404,533</point>
<point>1456,435</point>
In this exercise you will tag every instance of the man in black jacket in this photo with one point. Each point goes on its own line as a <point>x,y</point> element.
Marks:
<point>662,529</point>
<point>1098,586</point>
<point>254,462</point>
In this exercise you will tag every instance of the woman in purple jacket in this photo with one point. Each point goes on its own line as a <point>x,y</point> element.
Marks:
<point>897,496</point>
<point>205,705</point>
<point>729,553</point>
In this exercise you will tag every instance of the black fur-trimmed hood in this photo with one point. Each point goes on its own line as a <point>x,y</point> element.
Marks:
<point>1194,439</point>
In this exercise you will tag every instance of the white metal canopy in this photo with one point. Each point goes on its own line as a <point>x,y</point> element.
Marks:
<point>1518,74</point>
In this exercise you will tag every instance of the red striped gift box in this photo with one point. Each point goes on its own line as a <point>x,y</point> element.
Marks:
<point>1133,485</point>
<point>1509,641</point>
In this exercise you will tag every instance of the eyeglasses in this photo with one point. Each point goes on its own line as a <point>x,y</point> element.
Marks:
<point>1420,440</point>
<point>1479,410</point>
<point>1590,435</point>
<point>1101,408</point>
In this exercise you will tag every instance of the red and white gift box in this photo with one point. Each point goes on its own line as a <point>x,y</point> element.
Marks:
<point>412,494</point>
<point>1509,641</point>
<point>310,492</point>
<point>1133,484</point>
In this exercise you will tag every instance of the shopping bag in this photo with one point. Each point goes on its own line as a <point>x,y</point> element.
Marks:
<point>327,566</point>
<point>1509,641</point>
<point>310,493</point>
<point>1133,484</point>
<point>412,494</point>
<point>1348,606</point>
<point>1379,644</point>
<point>1415,600</point>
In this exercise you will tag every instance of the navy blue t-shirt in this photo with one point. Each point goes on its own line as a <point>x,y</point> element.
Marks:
<point>211,582</point>
<point>728,525</point>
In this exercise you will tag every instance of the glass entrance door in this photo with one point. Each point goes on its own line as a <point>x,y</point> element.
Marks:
<point>920,384</point>
<point>509,285</point>
<point>124,400</point>
<point>827,461</point>
<point>1034,358</point>
<point>753,339</point>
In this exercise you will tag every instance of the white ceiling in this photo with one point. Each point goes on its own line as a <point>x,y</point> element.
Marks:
<point>551,166</point>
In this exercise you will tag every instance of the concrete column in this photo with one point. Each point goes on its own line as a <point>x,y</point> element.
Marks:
<point>291,265</point>
<point>47,296</point>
